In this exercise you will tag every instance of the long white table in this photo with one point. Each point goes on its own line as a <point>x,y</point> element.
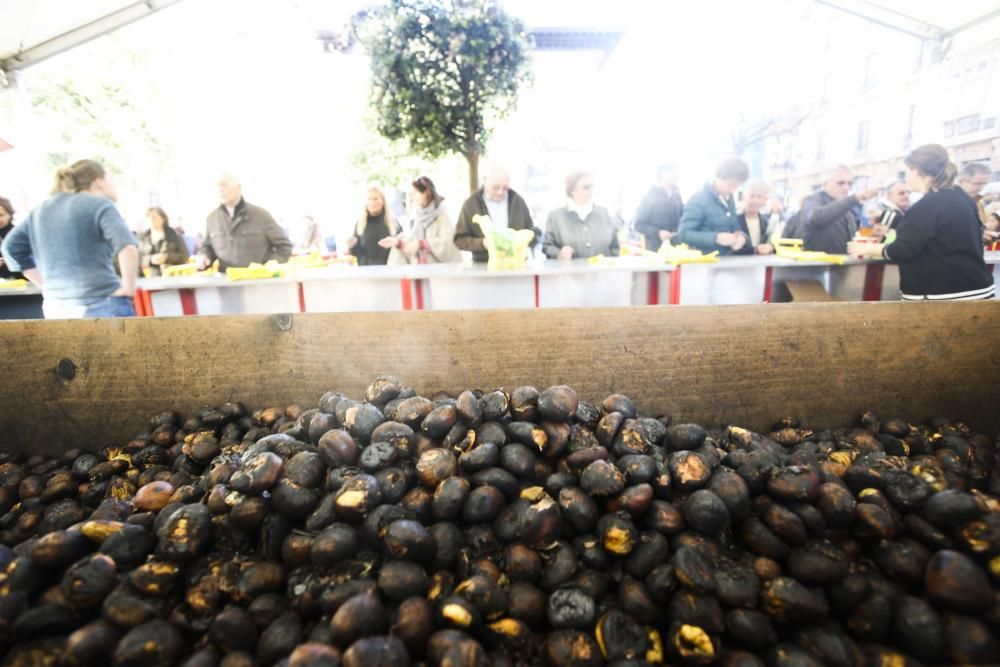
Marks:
<point>423,287</point>
<point>546,284</point>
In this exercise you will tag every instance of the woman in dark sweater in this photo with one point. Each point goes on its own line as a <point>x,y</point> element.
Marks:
<point>938,246</point>
<point>161,246</point>
<point>6,227</point>
<point>375,224</point>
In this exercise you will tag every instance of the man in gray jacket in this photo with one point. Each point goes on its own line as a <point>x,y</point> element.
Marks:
<point>238,233</point>
<point>828,222</point>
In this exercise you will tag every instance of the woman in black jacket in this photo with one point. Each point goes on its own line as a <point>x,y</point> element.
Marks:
<point>160,245</point>
<point>376,223</point>
<point>938,246</point>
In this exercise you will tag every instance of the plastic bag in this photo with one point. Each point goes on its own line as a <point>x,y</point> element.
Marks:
<point>507,248</point>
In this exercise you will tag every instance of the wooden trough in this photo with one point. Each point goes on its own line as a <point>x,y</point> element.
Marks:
<point>93,383</point>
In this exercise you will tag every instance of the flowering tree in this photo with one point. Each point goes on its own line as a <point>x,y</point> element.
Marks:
<point>443,71</point>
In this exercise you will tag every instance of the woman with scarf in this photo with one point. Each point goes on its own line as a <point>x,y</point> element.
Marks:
<point>430,239</point>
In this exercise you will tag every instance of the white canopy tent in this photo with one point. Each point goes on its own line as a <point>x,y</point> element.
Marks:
<point>33,30</point>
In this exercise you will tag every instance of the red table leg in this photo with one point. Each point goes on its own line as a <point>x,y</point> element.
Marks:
<point>140,306</point>
<point>302,299</point>
<point>653,292</point>
<point>768,279</point>
<point>538,296</point>
<point>407,293</point>
<point>189,304</point>
<point>418,291</point>
<point>147,303</point>
<point>675,286</point>
<point>873,282</point>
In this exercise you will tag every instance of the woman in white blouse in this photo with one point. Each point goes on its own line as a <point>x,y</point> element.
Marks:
<point>754,220</point>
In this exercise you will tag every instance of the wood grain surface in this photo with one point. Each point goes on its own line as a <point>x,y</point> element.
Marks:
<point>92,383</point>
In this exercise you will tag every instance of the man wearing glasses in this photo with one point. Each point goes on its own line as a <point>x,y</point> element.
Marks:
<point>580,229</point>
<point>973,178</point>
<point>828,221</point>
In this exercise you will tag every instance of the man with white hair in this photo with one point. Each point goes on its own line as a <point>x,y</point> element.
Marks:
<point>973,177</point>
<point>238,233</point>
<point>505,208</point>
<point>828,221</point>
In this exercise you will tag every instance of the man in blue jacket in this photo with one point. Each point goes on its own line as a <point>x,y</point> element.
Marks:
<point>709,219</point>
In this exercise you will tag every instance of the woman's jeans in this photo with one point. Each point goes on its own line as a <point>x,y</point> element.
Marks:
<point>105,306</point>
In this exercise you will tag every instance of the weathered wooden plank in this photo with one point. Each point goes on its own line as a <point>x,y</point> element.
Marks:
<point>717,365</point>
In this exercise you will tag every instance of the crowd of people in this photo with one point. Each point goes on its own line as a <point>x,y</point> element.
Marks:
<point>78,249</point>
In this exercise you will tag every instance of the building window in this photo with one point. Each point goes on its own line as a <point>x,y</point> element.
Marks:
<point>989,123</point>
<point>967,124</point>
<point>949,128</point>
<point>867,83</point>
<point>863,135</point>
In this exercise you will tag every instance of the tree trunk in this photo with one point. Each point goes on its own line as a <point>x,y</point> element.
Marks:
<point>472,157</point>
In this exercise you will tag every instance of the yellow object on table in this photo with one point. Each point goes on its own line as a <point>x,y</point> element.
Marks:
<point>634,250</point>
<point>308,260</point>
<point>316,260</point>
<point>644,258</point>
<point>682,254</point>
<point>601,260</point>
<point>189,269</point>
<point>14,283</point>
<point>792,249</point>
<point>256,271</point>
<point>273,269</point>
<point>667,254</point>
<point>507,248</point>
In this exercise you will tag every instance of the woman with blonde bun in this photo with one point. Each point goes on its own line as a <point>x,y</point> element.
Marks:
<point>938,246</point>
<point>69,243</point>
